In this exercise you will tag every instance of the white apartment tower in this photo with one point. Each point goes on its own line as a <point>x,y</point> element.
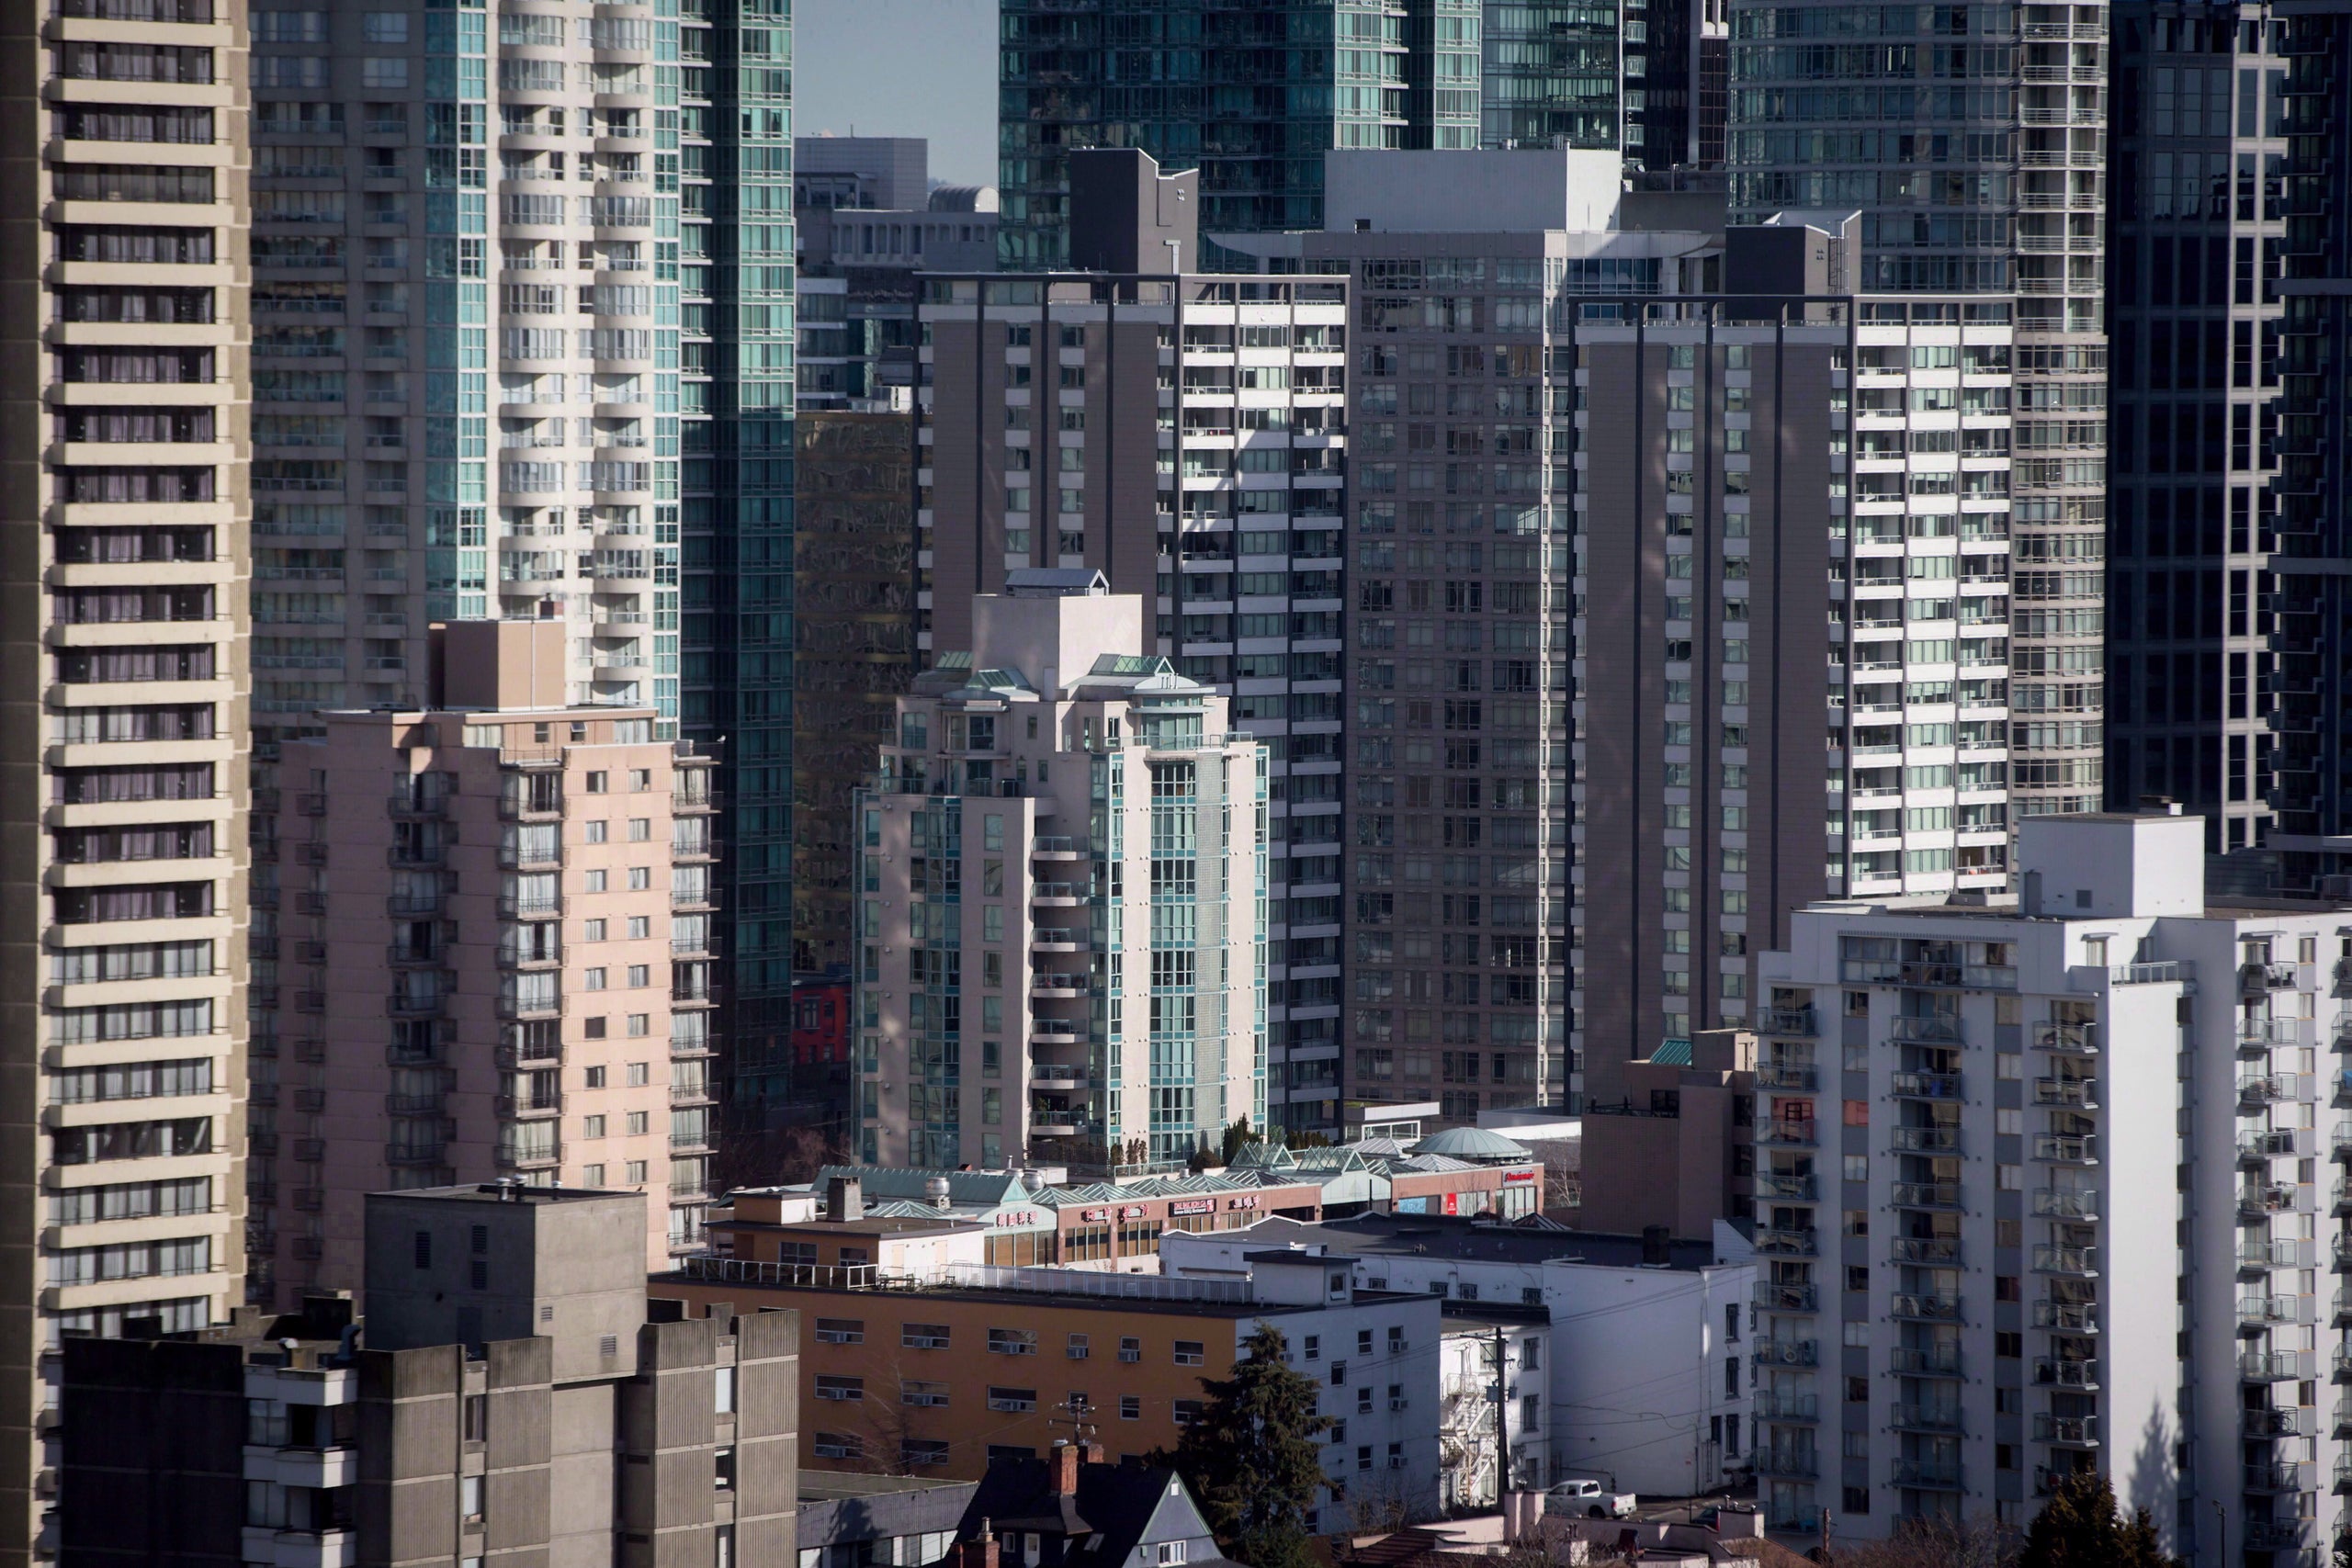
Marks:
<point>123,788</point>
<point>1061,888</point>
<point>1972,1283</point>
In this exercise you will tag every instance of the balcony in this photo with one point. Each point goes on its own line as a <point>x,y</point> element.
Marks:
<point>2257,1089</point>
<point>416,1005</point>
<point>2261,979</point>
<point>2075,1262</point>
<point>2257,1200</point>
<point>1792,1242</point>
<point>1931,1251</point>
<point>531,1157</point>
<point>399,1155</point>
<point>1771,1405</point>
<point>1913,1307</point>
<point>524,1108</point>
<point>1939,1195</point>
<point>1929,1475</point>
<point>2340,1140</point>
<point>1770,1297</point>
<point>1055,846</point>
<point>1926,1418</point>
<point>2067,1431</point>
<point>537,1005</point>
<point>1785,1352</point>
<point>1787,1020</point>
<point>2067,1038</point>
<point>2259,1313</point>
<point>2259,1254</point>
<point>2055,1148</point>
<point>1801,1463</point>
<point>1925,1361</point>
<point>2275,1366</point>
<point>1933,1030</point>
<point>1926,1140</point>
<point>2255,1148</point>
<point>1802,1077</point>
<point>2065,1371</point>
<point>2279,1476</point>
<point>2066,1317</point>
<point>1060,987</point>
<point>2288,1421</point>
<point>1781,1184</point>
<point>1789,1133</point>
<point>1055,894</point>
<point>2073,1094</point>
<point>2276,1535</point>
<point>2065,1204</point>
<point>413,1104</point>
<point>1056,938</point>
<point>690,1093</point>
<point>1925,1086</point>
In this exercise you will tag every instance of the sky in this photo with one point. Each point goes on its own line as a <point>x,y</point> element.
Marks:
<point>902,68</point>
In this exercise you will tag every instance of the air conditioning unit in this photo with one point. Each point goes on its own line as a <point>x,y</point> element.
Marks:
<point>1397,1404</point>
<point>1395,1461</point>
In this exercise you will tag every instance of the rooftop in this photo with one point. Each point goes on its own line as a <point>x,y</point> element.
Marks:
<point>1367,1236</point>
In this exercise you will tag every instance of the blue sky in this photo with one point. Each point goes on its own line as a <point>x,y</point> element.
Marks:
<point>902,68</point>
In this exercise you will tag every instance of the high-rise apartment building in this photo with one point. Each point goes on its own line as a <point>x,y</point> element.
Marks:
<point>2070,1215</point>
<point>122,607</point>
<point>2197,201</point>
<point>2315,519</point>
<point>509,1390</point>
<point>1972,139</point>
<point>515,360</point>
<point>1184,436</point>
<point>1637,513</point>
<point>495,949</point>
<point>1062,888</point>
<point>1254,96</point>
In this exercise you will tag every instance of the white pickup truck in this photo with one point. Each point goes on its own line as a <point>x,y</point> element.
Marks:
<point>1588,1499</point>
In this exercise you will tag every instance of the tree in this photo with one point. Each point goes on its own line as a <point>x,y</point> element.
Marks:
<point>1237,1137</point>
<point>1982,1541</point>
<point>2081,1528</point>
<point>1250,1456</point>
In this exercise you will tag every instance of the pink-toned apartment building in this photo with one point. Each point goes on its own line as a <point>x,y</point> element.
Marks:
<point>497,917</point>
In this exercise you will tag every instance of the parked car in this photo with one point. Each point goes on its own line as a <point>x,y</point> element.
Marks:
<point>1588,1499</point>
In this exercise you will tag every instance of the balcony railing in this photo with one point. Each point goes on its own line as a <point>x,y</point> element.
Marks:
<point>1925,1195</point>
<point>1770,1297</point>
<point>1928,1308</point>
<point>1925,1086</point>
<point>1785,1352</point>
<point>1933,1475</point>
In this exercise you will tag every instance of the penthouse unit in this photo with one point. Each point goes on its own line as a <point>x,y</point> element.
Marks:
<point>123,612</point>
<point>497,960</point>
<point>1969,1285</point>
<point>1647,1338</point>
<point>1184,436</point>
<point>1641,512</point>
<point>1105,919</point>
<point>506,1393</point>
<point>942,1375</point>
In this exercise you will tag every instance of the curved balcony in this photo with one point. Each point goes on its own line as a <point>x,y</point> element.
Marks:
<point>1057,895</point>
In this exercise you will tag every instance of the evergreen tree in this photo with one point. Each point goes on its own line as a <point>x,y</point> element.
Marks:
<point>1236,1137</point>
<point>2080,1527</point>
<point>1250,1456</point>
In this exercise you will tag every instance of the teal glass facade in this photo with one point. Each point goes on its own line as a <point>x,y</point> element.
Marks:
<point>1253,94</point>
<point>735,576</point>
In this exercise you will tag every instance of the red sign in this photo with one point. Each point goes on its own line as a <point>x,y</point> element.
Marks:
<point>1091,1215</point>
<point>1192,1206</point>
<point>1511,1176</point>
<point>1451,1203</point>
<point>1132,1211</point>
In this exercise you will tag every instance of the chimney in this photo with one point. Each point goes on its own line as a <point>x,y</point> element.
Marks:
<point>980,1553</point>
<point>1654,1251</point>
<point>1065,1462</point>
<point>1093,1453</point>
<point>845,1199</point>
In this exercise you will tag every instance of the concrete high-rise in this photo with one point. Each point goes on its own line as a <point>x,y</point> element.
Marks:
<point>1254,96</point>
<point>496,958</point>
<point>1062,887</point>
<point>1972,139</point>
<point>1185,436</point>
<point>2070,1215</point>
<point>2197,204</point>
<point>1638,510</point>
<point>124,790</point>
<point>515,360</point>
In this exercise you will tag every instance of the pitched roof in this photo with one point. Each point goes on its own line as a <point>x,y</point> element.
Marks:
<point>1114,1506</point>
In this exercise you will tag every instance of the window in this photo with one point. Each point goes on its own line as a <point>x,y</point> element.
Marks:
<point>1364,1400</point>
<point>844,1390</point>
<point>593,1078</point>
<point>595,831</point>
<point>477,1417</point>
<point>640,926</point>
<point>1169,1551</point>
<point>1012,1400</point>
<point>723,1467</point>
<point>593,931</point>
<point>1131,1349</point>
<point>1339,1374</point>
<point>723,1391</point>
<point>424,1249</point>
<point>1191,1353</point>
<point>639,1074</point>
<point>640,977</point>
<point>1013,1341</point>
<point>1364,1341</point>
<point>840,1331</point>
<point>919,1452</point>
<point>923,1336</point>
<point>923,1394</point>
<point>640,829</point>
<point>638,1122</point>
<point>634,1172</point>
<point>1187,1411</point>
<point>1314,1343</point>
<point>597,783</point>
<point>1130,1408</point>
<point>1395,1340</point>
<point>839,1444</point>
<point>1078,1347</point>
<point>469,1499</point>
